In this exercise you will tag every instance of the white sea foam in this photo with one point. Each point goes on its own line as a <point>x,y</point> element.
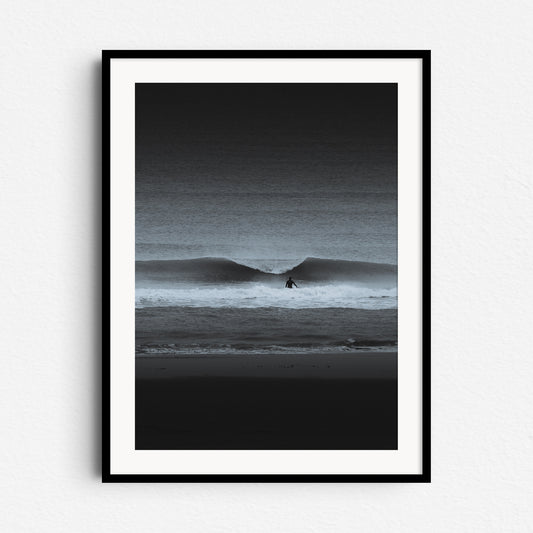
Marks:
<point>190,350</point>
<point>253,295</point>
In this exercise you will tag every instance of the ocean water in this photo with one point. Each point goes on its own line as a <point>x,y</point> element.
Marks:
<point>267,229</point>
<point>215,306</point>
<point>183,331</point>
<point>239,186</point>
<point>212,264</point>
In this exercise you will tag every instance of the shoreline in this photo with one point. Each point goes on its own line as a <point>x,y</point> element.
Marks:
<point>331,365</point>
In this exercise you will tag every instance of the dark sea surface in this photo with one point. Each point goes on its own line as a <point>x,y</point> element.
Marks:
<point>203,330</point>
<point>268,229</point>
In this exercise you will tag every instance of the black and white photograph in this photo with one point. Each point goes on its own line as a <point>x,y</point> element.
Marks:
<point>266,315</point>
<point>266,266</point>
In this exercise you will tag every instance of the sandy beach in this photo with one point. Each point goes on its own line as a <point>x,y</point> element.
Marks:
<point>311,401</point>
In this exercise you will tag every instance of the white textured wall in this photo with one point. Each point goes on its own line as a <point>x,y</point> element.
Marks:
<point>482,265</point>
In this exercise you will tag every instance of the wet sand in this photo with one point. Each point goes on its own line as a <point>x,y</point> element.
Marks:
<point>311,401</point>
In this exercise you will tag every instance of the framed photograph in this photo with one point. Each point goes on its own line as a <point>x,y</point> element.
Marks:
<point>266,256</point>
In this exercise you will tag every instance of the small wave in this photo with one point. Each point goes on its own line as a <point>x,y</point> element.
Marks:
<point>169,350</point>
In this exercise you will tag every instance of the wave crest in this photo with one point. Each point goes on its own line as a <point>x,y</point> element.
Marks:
<point>221,270</point>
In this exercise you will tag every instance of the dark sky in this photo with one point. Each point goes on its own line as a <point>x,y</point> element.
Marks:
<point>198,129</point>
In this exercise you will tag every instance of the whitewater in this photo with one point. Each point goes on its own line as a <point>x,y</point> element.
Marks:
<point>251,295</point>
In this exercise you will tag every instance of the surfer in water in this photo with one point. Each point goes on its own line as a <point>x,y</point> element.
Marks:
<point>290,283</point>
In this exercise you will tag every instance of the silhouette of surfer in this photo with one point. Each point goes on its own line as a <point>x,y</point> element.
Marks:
<point>290,283</point>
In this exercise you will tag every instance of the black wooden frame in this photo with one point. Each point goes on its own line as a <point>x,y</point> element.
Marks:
<point>425,56</point>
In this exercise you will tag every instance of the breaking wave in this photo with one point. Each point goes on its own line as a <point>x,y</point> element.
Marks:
<point>220,270</point>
